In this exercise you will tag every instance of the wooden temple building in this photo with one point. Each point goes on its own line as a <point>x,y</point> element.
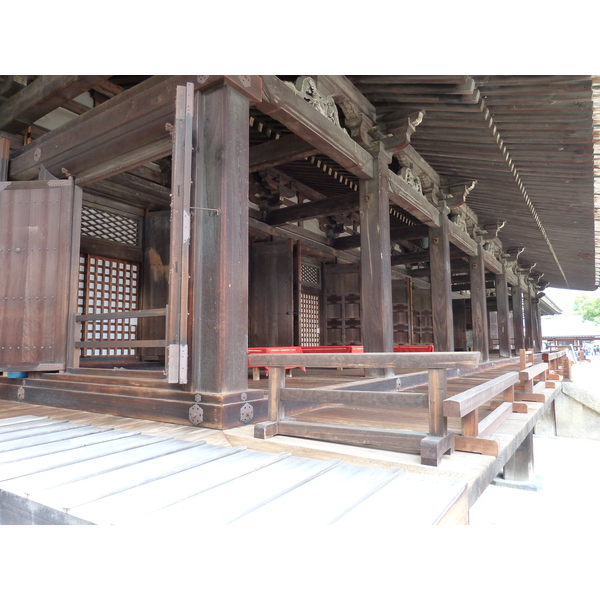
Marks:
<point>163,239</point>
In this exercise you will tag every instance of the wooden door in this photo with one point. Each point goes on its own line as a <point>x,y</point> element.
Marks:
<point>342,305</point>
<point>271,295</point>
<point>39,257</point>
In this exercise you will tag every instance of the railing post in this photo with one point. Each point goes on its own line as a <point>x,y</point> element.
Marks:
<point>276,384</point>
<point>438,424</point>
<point>439,441</point>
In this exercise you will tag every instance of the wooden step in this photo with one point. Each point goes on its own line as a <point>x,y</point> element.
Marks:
<point>103,387</point>
<point>119,372</point>
<point>112,379</point>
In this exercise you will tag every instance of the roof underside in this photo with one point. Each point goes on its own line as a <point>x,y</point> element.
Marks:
<point>527,141</point>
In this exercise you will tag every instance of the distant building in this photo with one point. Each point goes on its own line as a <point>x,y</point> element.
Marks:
<point>564,330</point>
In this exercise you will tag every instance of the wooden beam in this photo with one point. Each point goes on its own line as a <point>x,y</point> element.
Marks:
<point>411,201</point>
<point>289,108</point>
<point>335,205</point>
<point>125,161</point>
<point>131,120</point>
<point>279,152</point>
<point>479,316</point>
<point>413,232</point>
<point>357,398</point>
<point>42,96</point>
<point>375,267</point>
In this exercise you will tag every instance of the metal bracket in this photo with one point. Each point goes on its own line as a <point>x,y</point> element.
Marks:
<point>196,414</point>
<point>398,384</point>
<point>217,210</point>
<point>21,393</point>
<point>246,413</point>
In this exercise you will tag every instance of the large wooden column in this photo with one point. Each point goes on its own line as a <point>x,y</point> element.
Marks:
<point>219,251</point>
<point>536,323</point>
<point>479,305</point>
<point>375,266</point>
<point>517,304</point>
<point>441,289</point>
<point>503,314</point>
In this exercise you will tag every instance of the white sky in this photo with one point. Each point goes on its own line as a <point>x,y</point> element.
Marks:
<point>564,298</point>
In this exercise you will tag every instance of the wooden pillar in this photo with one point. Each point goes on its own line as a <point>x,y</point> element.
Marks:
<point>517,304</point>
<point>4,158</point>
<point>528,317</point>
<point>479,315</point>
<point>503,314</point>
<point>536,323</point>
<point>219,244</point>
<point>520,468</point>
<point>441,288</point>
<point>375,265</point>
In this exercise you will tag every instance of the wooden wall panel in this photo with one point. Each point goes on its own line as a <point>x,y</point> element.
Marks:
<point>271,301</point>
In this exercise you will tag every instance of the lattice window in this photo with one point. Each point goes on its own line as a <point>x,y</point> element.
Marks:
<point>311,274</point>
<point>109,226</point>
<point>111,286</point>
<point>310,331</point>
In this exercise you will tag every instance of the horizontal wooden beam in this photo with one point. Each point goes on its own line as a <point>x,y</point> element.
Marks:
<point>123,344</point>
<point>132,314</point>
<point>531,372</point>
<point>357,398</point>
<point>335,205</point>
<point>411,201</point>
<point>384,439</point>
<point>289,108</point>
<point>284,150</point>
<point>42,96</point>
<point>413,232</point>
<point>488,425</point>
<point>131,120</point>
<point>461,239</point>
<point>127,160</point>
<point>398,360</point>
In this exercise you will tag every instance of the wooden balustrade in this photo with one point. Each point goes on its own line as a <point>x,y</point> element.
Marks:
<point>559,366</point>
<point>432,445</point>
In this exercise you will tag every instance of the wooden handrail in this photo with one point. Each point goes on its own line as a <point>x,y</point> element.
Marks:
<point>368,360</point>
<point>133,314</point>
<point>532,372</point>
<point>467,401</point>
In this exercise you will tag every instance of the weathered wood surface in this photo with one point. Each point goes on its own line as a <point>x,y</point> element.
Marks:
<point>289,108</point>
<point>479,312</point>
<point>41,97</point>
<point>398,360</point>
<point>360,398</point>
<point>375,266</point>
<point>441,286</point>
<point>118,477</point>
<point>37,271</point>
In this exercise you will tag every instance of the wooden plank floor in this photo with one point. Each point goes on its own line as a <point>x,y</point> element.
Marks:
<point>476,471</point>
<point>80,470</point>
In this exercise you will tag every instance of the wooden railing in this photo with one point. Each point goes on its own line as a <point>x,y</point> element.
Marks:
<point>431,445</point>
<point>115,343</point>
<point>559,366</point>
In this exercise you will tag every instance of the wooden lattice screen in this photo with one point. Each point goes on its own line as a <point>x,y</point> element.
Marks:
<point>108,285</point>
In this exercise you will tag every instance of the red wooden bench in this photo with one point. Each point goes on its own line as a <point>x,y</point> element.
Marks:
<point>272,350</point>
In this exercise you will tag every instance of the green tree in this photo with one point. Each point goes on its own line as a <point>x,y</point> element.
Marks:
<point>588,307</point>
